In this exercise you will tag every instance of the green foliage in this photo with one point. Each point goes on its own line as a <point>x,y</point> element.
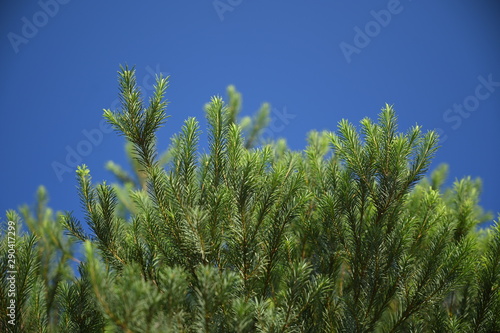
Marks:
<point>346,236</point>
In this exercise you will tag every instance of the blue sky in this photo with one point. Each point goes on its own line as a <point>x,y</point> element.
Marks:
<point>315,62</point>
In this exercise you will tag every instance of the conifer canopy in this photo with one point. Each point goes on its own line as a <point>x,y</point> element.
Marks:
<point>347,235</point>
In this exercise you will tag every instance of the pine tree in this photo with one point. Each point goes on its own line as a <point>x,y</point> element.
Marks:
<point>345,236</point>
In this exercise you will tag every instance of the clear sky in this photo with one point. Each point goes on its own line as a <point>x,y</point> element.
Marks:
<point>315,62</point>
